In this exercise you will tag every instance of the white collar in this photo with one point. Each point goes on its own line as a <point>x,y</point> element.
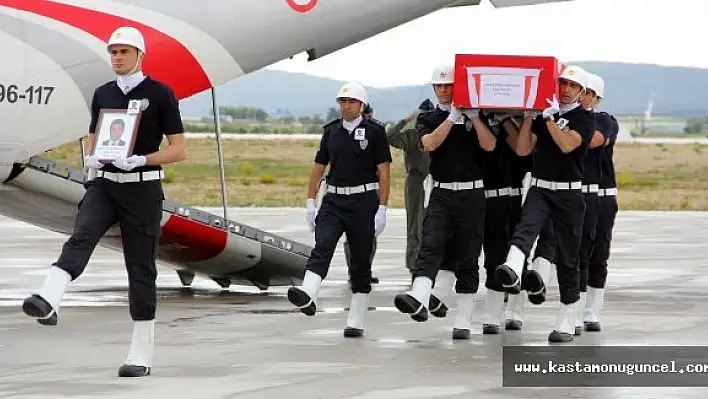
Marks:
<point>351,125</point>
<point>126,83</point>
<point>568,107</point>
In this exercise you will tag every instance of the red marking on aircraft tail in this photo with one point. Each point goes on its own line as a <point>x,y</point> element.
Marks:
<point>167,59</point>
<point>308,6</point>
<point>184,240</point>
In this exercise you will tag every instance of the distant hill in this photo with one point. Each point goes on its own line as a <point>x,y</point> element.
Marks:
<point>675,91</point>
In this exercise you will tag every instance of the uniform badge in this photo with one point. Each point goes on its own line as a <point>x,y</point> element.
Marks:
<point>359,134</point>
<point>363,144</point>
<point>562,123</point>
<point>468,125</point>
<point>144,104</point>
<point>134,107</point>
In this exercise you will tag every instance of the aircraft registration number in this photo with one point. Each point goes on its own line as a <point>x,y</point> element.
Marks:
<point>13,94</point>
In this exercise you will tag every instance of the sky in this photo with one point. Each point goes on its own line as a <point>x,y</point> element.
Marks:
<point>663,32</point>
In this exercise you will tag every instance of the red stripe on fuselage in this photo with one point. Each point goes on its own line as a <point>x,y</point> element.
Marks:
<point>167,60</point>
<point>184,240</point>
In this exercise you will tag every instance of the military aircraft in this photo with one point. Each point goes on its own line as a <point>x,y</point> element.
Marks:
<point>54,56</point>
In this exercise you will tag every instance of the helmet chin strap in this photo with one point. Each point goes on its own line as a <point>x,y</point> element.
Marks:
<point>131,79</point>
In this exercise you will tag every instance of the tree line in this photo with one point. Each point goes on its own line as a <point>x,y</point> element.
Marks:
<point>696,125</point>
<point>257,120</point>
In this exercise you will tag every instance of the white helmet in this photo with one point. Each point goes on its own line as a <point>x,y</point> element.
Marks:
<point>129,36</point>
<point>353,90</point>
<point>576,74</point>
<point>596,84</point>
<point>443,74</point>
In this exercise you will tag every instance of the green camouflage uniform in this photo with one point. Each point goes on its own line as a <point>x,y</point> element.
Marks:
<point>417,162</point>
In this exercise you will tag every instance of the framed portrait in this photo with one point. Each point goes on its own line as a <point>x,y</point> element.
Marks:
<point>116,133</point>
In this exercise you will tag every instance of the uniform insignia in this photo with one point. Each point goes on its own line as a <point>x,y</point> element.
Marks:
<point>363,144</point>
<point>562,123</point>
<point>133,107</point>
<point>359,133</point>
<point>468,125</point>
<point>144,104</point>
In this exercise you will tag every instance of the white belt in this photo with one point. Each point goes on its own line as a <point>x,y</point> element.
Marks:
<point>556,185</point>
<point>607,192</point>
<point>501,192</point>
<point>460,185</point>
<point>514,192</point>
<point>591,188</point>
<point>352,189</point>
<point>132,177</point>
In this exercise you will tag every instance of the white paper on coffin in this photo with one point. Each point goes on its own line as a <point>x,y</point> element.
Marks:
<point>502,87</point>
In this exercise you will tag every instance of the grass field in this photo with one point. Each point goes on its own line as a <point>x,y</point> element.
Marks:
<point>275,173</point>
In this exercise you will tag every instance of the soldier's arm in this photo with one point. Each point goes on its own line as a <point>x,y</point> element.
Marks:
<point>318,166</point>
<point>526,140</point>
<point>383,159</point>
<point>396,136</point>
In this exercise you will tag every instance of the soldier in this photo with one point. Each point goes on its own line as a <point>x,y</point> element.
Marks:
<point>416,162</point>
<point>358,185</point>
<point>497,191</point>
<point>607,211</point>
<point>368,112</point>
<point>127,191</point>
<point>560,137</point>
<point>456,141</point>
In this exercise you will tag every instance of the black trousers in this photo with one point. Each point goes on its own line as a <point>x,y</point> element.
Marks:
<point>454,222</point>
<point>514,217</point>
<point>565,208</point>
<point>514,211</point>
<point>137,207</point>
<point>352,215</point>
<point>497,234</point>
<point>546,244</point>
<point>587,242</point>
<point>597,273</point>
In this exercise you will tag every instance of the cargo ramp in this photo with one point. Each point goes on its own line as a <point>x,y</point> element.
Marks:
<point>193,242</point>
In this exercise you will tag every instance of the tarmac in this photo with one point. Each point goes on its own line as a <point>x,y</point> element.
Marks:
<point>244,343</point>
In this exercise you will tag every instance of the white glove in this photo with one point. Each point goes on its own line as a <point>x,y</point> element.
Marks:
<point>471,113</point>
<point>311,214</point>
<point>553,108</point>
<point>380,220</point>
<point>92,162</point>
<point>130,163</point>
<point>456,116</point>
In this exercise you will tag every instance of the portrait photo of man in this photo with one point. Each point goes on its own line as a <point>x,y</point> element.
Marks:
<point>117,129</point>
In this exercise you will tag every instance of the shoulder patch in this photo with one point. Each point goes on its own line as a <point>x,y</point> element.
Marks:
<point>330,123</point>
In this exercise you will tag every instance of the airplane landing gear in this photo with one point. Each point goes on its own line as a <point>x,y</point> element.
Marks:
<point>185,277</point>
<point>224,283</point>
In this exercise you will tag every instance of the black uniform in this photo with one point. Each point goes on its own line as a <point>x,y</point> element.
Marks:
<point>453,213</point>
<point>136,206</point>
<point>591,184</point>
<point>556,195</point>
<point>520,166</point>
<point>497,189</point>
<point>597,273</point>
<point>353,158</point>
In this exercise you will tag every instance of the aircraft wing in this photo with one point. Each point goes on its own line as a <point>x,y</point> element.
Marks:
<point>505,3</point>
